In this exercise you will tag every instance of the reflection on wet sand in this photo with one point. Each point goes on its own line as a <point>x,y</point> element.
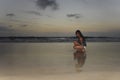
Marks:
<point>79,58</point>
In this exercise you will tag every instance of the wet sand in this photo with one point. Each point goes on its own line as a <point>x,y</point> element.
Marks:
<point>54,61</point>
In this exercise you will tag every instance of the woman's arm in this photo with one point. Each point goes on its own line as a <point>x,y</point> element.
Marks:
<point>77,45</point>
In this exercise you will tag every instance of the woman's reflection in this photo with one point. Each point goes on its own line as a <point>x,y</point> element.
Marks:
<point>79,58</point>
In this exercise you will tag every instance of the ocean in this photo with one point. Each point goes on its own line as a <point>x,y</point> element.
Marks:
<point>56,39</point>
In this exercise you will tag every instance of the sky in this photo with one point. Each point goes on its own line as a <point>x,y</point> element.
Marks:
<point>59,17</point>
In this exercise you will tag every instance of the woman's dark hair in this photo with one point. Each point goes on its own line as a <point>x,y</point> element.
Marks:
<point>80,33</point>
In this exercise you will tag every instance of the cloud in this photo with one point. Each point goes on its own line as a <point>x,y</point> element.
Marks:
<point>34,13</point>
<point>76,16</point>
<point>10,14</point>
<point>24,25</point>
<point>10,26</point>
<point>43,4</point>
<point>5,28</point>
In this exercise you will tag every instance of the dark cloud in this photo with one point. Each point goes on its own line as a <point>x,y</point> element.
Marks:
<point>24,25</point>
<point>43,4</point>
<point>10,26</point>
<point>4,28</point>
<point>7,30</point>
<point>34,12</point>
<point>76,16</point>
<point>10,14</point>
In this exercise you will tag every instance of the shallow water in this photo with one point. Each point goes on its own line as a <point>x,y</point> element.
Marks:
<point>56,58</point>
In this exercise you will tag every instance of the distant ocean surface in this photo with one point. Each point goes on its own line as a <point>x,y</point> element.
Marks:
<point>57,39</point>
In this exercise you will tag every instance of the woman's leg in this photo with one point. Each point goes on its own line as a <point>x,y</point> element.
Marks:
<point>77,45</point>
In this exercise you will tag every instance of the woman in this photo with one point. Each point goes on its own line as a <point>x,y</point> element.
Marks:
<point>80,53</point>
<point>80,44</point>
